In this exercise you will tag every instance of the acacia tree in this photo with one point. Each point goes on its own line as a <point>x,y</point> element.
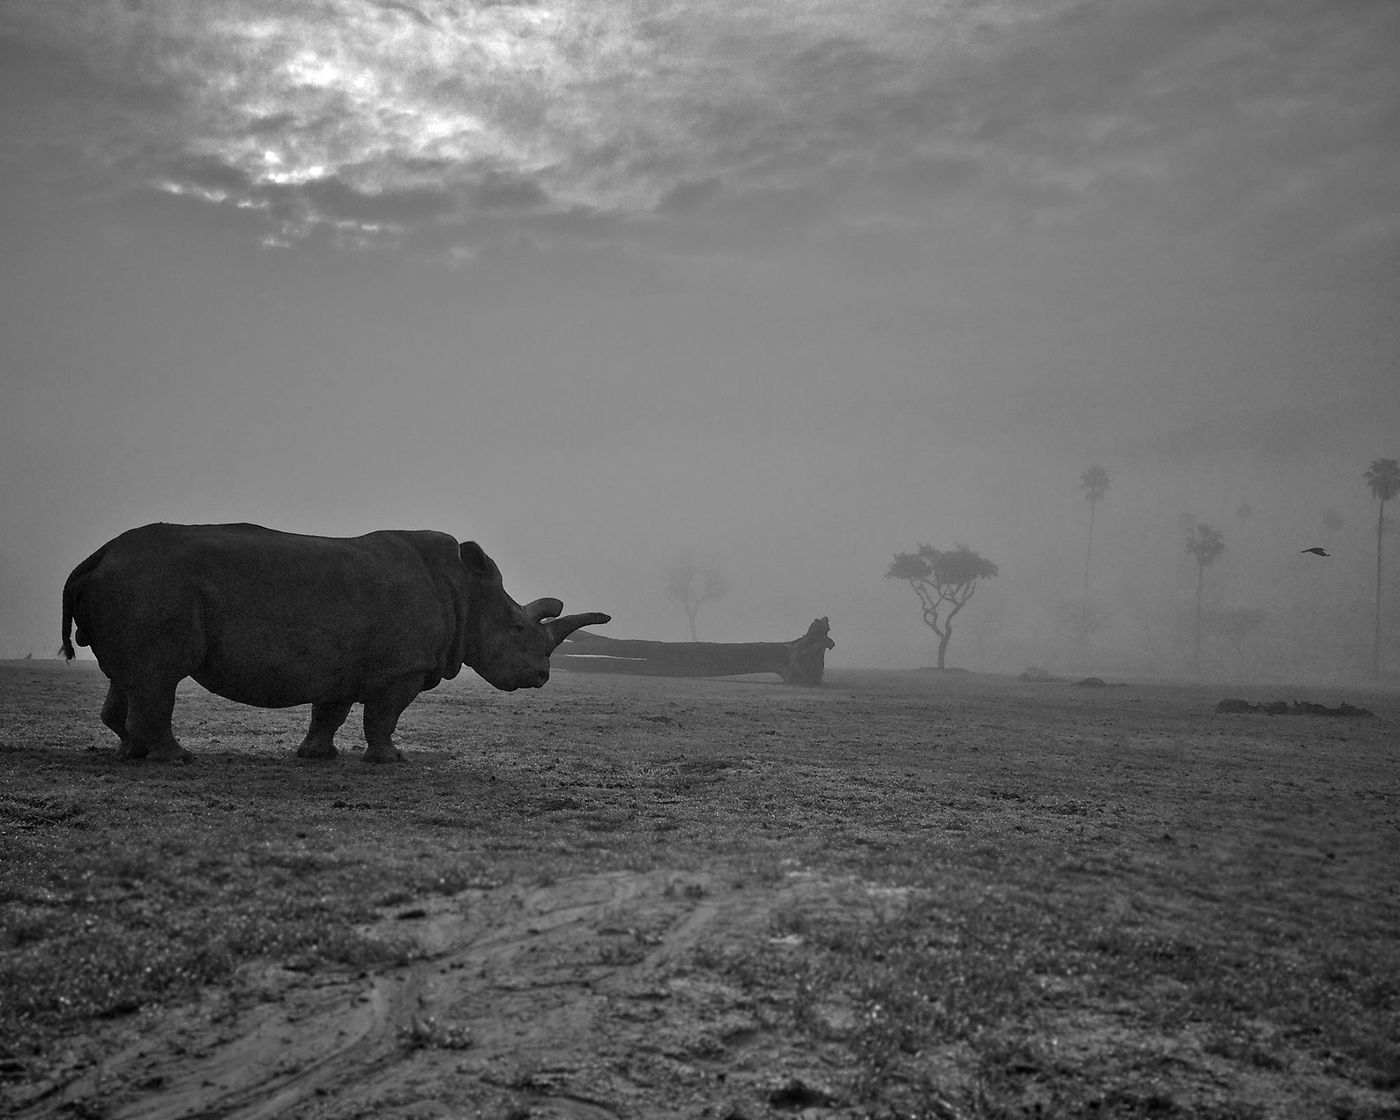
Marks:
<point>941,580</point>
<point>693,582</point>
<point>1383,478</point>
<point>1094,483</point>
<point>1205,544</point>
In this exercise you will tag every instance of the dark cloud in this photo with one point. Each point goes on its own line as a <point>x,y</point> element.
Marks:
<point>837,69</point>
<point>271,125</point>
<point>337,199</point>
<point>689,195</point>
<point>30,69</point>
<point>1196,117</point>
<point>496,191</point>
<point>213,175</point>
<point>933,175</point>
<point>403,9</point>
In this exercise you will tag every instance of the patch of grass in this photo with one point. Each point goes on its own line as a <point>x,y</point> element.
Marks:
<point>1244,1048</point>
<point>709,765</point>
<point>106,939</point>
<point>31,812</point>
<point>1004,981</point>
<point>429,1032</point>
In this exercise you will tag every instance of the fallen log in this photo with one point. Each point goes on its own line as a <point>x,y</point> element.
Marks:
<point>801,661</point>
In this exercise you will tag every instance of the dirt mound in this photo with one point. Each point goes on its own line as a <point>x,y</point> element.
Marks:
<point>1236,706</point>
<point>577,999</point>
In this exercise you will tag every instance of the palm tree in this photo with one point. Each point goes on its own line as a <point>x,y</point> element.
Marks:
<point>1383,478</point>
<point>1094,483</point>
<point>1205,544</point>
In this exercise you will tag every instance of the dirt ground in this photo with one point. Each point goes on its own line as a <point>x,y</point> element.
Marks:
<point>523,997</point>
<point>901,894</point>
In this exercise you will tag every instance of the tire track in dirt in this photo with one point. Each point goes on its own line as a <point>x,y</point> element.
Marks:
<point>576,998</point>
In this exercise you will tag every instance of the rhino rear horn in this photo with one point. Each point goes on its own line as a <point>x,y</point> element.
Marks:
<point>561,628</point>
<point>541,609</point>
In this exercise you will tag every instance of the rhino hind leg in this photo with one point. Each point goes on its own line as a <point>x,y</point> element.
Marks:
<point>320,736</point>
<point>382,713</point>
<point>149,707</point>
<point>114,715</point>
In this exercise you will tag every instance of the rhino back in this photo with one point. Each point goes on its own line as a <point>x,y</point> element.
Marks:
<point>275,619</point>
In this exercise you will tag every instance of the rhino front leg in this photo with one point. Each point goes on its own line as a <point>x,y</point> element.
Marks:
<point>382,716</point>
<point>149,707</point>
<point>325,722</point>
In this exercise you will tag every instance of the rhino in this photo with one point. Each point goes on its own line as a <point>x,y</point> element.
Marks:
<point>276,619</point>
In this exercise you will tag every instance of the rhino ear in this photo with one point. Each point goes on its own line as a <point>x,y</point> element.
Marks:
<point>477,562</point>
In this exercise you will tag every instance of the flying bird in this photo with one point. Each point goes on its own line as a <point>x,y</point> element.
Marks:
<point>1316,551</point>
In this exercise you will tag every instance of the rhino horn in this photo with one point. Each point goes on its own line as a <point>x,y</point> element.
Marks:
<point>541,609</point>
<point>561,628</point>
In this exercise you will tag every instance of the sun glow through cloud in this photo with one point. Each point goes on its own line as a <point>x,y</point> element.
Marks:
<point>637,109</point>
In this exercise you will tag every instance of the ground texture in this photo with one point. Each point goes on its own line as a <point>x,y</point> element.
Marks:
<point>898,895</point>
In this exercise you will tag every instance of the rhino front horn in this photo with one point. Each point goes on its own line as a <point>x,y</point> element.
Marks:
<point>561,628</point>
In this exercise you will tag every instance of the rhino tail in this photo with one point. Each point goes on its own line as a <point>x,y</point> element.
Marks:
<point>72,589</point>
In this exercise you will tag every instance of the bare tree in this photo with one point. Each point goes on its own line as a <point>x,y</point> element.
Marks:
<point>1094,482</point>
<point>1205,544</point>
<point>1383,478</point>
<point>693,582</point>
<point>942,579</point>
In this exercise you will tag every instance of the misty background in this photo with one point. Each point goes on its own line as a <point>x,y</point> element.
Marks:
<point>794,286</point>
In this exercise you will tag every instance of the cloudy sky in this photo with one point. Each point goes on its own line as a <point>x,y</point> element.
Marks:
<point>794,283</point>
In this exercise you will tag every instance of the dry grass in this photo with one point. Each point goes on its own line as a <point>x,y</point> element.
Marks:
<point>1035,900</point>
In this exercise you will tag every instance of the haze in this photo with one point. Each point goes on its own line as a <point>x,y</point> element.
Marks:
<point>796,285</point>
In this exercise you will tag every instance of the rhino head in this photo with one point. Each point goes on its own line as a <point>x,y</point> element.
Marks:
<point>505,643</point>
